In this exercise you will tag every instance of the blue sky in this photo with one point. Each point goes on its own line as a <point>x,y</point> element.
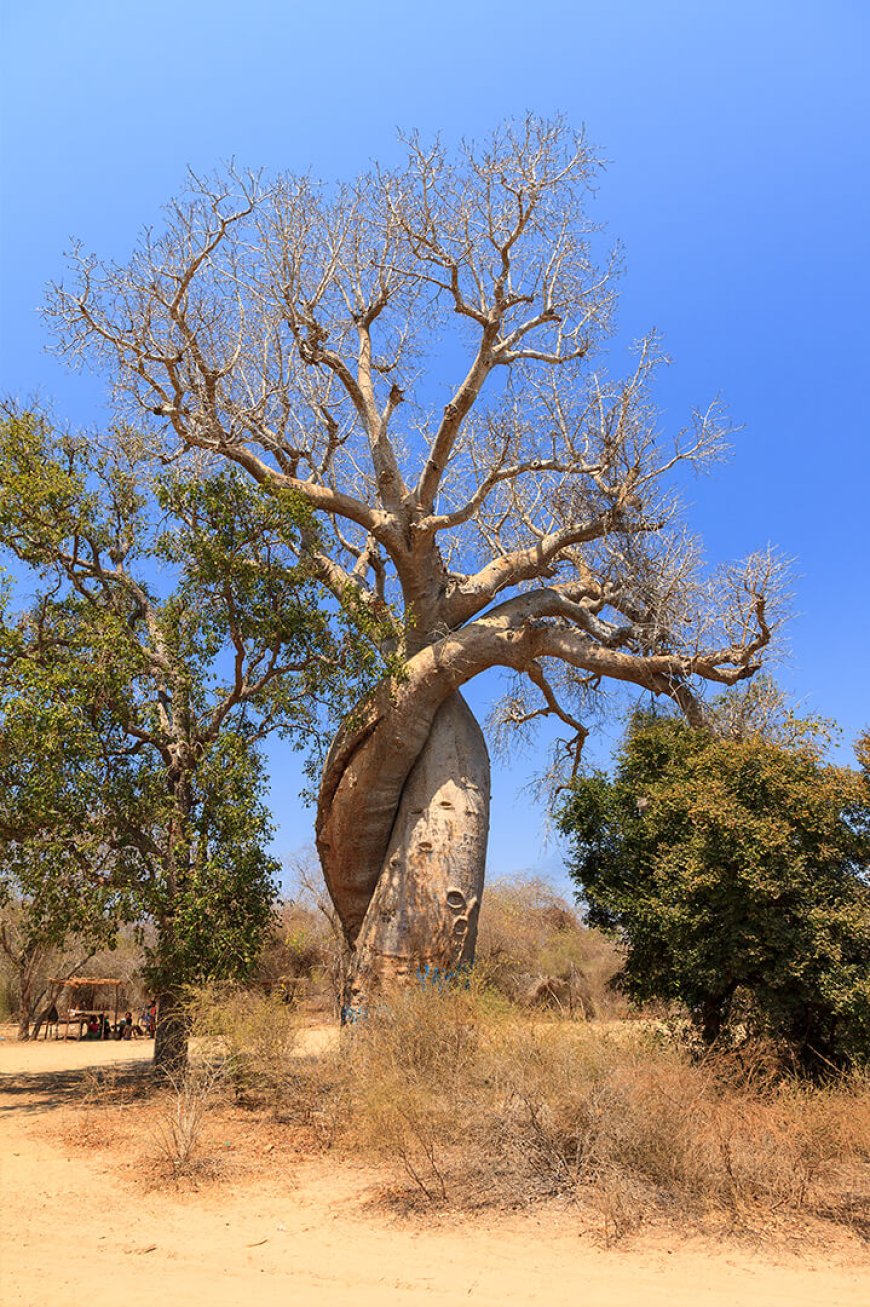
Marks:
<point>737,137</point>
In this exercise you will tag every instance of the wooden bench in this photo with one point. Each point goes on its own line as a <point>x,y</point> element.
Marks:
<point>67,1022</point>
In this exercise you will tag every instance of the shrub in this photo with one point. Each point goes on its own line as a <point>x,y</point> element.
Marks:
<point>191,1093</point>
<point>534,949</point>
<point>736,873</point>
<point>411,1074</point>
<point>257,1034</point>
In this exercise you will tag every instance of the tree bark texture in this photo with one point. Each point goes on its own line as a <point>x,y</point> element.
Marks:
<point>170,1036</point>
<point>422,819</point>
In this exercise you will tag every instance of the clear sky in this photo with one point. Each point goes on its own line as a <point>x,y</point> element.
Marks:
<point>737,135</point>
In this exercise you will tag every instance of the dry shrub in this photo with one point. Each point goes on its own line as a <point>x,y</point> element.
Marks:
<point>180,1125</point>
<point>469,1102</point>
<point>291,962</point>
<point>637,1122</point>
<point>257,1035</point>
<point>617,1120</point>
<point>412,1083</point>
<point>477,1106</point>
<point>804,1148</point>
<point>534,949</point>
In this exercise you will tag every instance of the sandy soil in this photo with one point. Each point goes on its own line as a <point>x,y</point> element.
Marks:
<point>85,1226</point>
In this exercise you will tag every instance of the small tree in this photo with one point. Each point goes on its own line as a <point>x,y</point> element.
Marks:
<point>172,632</point>
<point>63,872</point>
<point>735,871</point>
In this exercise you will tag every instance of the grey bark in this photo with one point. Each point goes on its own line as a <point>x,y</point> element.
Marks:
<point>559,476</point>
<point>170,1036</point>
<point>421,919</point>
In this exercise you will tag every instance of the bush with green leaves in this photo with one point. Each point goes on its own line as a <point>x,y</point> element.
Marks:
<point>735,870</point>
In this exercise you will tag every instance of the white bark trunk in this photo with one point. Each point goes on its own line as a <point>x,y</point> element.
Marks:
<point>422,916</point>
<point>404,802</point>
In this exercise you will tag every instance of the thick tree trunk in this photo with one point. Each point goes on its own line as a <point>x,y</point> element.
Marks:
<point>170,1037</point>
<point>420,916</point>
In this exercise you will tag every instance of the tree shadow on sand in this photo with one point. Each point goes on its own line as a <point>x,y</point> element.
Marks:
<point>42,1091</point>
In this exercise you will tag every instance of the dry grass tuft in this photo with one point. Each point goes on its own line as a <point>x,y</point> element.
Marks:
<point>475,1106</point>
<point>180,1129</point>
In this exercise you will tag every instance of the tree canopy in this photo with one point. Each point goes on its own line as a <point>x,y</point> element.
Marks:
<point>737,873</point>
<point>170,633</point>
<point>418,356</point>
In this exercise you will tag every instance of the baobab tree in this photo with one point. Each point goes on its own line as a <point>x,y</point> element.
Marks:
<point>517,516</point>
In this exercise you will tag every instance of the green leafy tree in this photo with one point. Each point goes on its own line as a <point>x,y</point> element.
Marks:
<point>735,869</point>
<point>173,624</point>
<point>62,870</point>
<point>222,908</point>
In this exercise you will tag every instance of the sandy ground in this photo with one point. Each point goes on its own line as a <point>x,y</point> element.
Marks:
<point>80,1227</point>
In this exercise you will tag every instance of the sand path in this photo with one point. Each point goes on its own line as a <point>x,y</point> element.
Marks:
<point>77,1232</point>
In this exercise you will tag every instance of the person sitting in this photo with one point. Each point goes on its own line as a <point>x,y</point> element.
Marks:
<point>93,1027</point>
<point>127,1026</point>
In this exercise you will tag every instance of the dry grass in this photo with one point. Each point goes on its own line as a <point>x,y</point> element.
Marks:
<point>475,1107</point>
<point>461,1101</point>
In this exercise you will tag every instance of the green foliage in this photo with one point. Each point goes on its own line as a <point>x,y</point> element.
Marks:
<point>220,907</point>
<point>174,627</point>
<point>736,871</point>
<point>65,861</point>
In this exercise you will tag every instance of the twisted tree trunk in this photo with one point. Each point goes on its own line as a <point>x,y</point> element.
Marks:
<point>403,811</point>
<point>402,833</point>
<point>557,475</point>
